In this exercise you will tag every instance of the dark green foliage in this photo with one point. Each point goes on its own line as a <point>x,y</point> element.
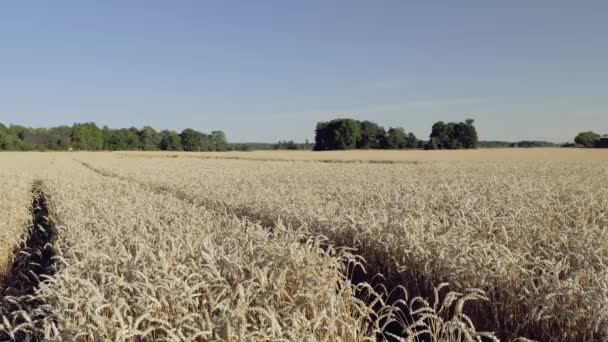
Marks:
<point>121,139</point>
<point>338,134</point>
<point>192,140</point>
<point>87,136</point>
<point>291,145</point>
<point>372,135</point>
<point>170,141</point>
<point>247,146</point>
<point>494,144</point>
<point>522,143</point>
<point>396,138</point>
<point>347,134</point>
<point>7,140</point>
<point>218,141</point>
<point>453,135</point>
<point>55,138</point>
<point>149,139</point>
<point>19,132</point>
<point>285,145</point>
<point>529,144</point>
<point>587,139</point>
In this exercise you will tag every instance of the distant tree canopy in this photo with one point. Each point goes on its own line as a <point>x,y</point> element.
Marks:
<point>522,143</point>
<point>291,145</point>
<point>170,141</point>
<point>348,134</point>
<point>453,135</point>
<point>88,136</point>
<point>534,143</point>
<point>339,134</point>
<point>372,136</point>
<point>587,139</point>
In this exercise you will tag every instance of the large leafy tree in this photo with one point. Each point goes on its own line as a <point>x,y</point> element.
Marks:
<point>170,141</point>
<point>453,135</point>
<point>346,134</point>
<point>411,141</point>
<point>121,139</point>
<point>7,140</point>
<point>338,134</point>
<point>372,135</point>
<point>149,139</point>
<point>396,138</point>
<point>87,136</point>
<point>192,140</point>
<point>587,139</point>
<point>218,141</point>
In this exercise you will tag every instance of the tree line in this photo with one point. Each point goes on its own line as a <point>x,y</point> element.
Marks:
<point>348,134</point>
<point>521,143</point>
<point>291,145</point>
<point>88,136</point>
<point>591,139</point>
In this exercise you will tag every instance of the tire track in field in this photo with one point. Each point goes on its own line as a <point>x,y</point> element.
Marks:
<point>385,278</point>
<point>20,308</point>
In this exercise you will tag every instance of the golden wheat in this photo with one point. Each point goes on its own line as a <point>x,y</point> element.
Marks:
<point>196,248</point>
<point>394,156</point>
<point>529,233</point>
<point>16,179</point>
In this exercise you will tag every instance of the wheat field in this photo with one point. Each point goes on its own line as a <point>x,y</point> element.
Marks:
<point>394,156</point>
<point>448,246</point>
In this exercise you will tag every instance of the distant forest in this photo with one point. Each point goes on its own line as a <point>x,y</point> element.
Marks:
<point>338,134</point>
<point>348,134</point>
<point>522,143</point>
<point>88,136</point>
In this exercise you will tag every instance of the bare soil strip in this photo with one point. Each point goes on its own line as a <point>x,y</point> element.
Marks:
<point>33,265</point>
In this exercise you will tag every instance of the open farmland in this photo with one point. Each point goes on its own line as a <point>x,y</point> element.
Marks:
<point>395,156</point>
<point>208,248</point>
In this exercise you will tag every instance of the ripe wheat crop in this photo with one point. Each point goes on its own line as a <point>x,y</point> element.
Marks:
<point>531,234</point>
<point>16,180</point>
<point>180,249</point>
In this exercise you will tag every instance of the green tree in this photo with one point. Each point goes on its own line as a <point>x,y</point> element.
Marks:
<point>170,141</point>
<point>87,136</point>
<point>122,139</point>
<point>192,140</point>
<point>372,135</point>
<point>338,134</point>
<point>411,141</point>
<point>396,138</point>
<point>286,145</point>
<point>20,132</point>
<point>453,135</point>
<point>218,141</point>
<point>587,139</point>
<point>149,139</point>
<point>7,140</point>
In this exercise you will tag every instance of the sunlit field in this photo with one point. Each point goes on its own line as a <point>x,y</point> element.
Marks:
<point>481,245</point>
<point>490,154</point>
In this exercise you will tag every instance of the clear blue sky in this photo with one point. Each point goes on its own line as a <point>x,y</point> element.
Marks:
<point>269,70</point>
